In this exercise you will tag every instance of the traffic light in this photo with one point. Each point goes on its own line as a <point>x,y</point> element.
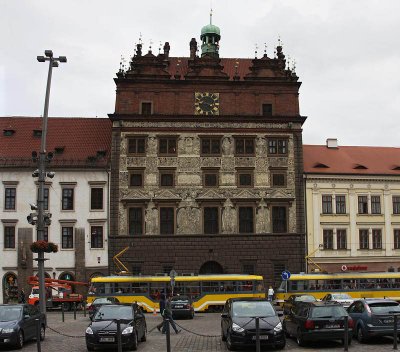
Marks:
<point>32,218</point>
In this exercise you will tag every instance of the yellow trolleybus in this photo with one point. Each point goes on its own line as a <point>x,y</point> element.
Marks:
<point>357,285</point>
<point>208,292</point>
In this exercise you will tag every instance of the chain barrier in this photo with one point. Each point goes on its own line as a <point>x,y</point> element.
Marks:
<point>66,335</point>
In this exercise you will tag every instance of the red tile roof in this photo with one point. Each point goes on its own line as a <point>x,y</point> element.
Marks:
<point>319,159</point>
<point>81,138</point>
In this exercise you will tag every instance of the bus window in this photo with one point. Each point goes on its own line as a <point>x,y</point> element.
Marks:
<point>122,287</point>
<point>259,285</point>
<point>192,289</point>
<point>301,285</point>
<point>179,288</point>
<point>156,288</point>
<point>228,286</point>
<point>98,288</point>
<point>245,286</point>
<point>210,286</point>
<point>333,285</point>
<point>108,288</point>
<point>140,287</point>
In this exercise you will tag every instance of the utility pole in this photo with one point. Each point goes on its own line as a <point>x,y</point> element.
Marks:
<point>41,218</point>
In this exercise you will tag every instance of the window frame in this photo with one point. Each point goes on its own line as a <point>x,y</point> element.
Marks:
<point>136,140</point>
<point>341,239</point>
<point>377,239</point>
<point>241,172</point>
<point>96,201</point>
<point>396,204</point>
<point>63,197</point>
<point>246,140</point>
<point>94,237</point>
<point>281,173</point>
<point>270,112</point>
<point>214,172</point>
<point>243,222</point>
<point>167,206</point>
<point>211,139</point>
<point>273,221</point>
<point>9,238</point>
<point>10,198</point>
<point>146,103</point>
<point>280,144</point>
<point>362,201</point>
<point>327,239</point>
<point>396,238</point>
<point>168,139</point>
<point>68,244</point>
<point>376,207</point>
<point>218,219</point>
<point>165,172</point>
<point>142,221</point>
<point>363,239</point>
<point>136,172</point>
<point>327,204</point>
<point>340,204</point>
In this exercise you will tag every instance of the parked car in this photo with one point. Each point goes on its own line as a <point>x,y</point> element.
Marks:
<point>317,321</point>
<point>238,324</point>
<point>343,298</point>
<point>98,302</point>
<point>373,317</point>
<point>18,324</point>
<point>293,300</point>
<point>182,307</point>
<point>102,331</point>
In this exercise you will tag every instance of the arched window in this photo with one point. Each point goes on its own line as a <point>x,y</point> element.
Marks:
<point>211,267</point>
<point>10,288</point>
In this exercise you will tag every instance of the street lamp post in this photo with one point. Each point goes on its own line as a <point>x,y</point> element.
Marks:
<point>53,62</point>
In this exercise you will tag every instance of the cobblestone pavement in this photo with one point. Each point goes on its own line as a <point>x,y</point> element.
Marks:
<point>186,341</point>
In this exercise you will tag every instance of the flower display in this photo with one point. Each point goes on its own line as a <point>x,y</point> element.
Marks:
<point>44,246</point>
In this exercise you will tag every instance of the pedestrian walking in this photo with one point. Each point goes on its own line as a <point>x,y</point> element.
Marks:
<point>168,315</point>
<point>162,308</point>
<point>22,298</point>
<point>270,294</point>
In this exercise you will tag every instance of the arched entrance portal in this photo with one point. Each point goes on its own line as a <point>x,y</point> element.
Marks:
<point>211,267</point>
<point>10,288</point>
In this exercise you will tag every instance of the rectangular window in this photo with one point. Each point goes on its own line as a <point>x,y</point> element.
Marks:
<point>135,221</point>
<point>396,234</point>
<point>211,146</point>
<point>278,180</point>
<point>326,204</point>
<point>377,239</point>
<point>96,237</point>
<point>246,223</point>
<point>96,198</point>
<point>167,220</point>
<point>67,240</point>
<point>9,199</point>
<point>244,146</point>
<point>341,239</point>
<point>167,178</point>
<point>362,205</point>
<point>67,199</point>
<point>249,269</point>
<point>211,220</point>
<point>279,219</point>
<point>328,239</point>
<point>136,178</point>
<point>340,204</point>
<point>9,236</point>
<point>375,204</point>
<point>146,108</point>
<point>167,146</point>
<point>267,109</point>
<point>245,178</point>
<point>210,178</point>
<point>364,239</point>
<point>277,146</point>
<point>137,145</point>
<point>396,204</point>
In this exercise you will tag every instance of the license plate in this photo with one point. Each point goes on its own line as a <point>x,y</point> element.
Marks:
<point>262,337</point>
<point>332,326</point>
<point>178,306</point>
<point>107,339</point>
<point>388,321</point>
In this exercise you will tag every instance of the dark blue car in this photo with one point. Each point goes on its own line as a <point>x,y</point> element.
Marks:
<point>373,317</point>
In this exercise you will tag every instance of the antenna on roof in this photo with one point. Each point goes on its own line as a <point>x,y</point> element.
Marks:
<point>211,12</point>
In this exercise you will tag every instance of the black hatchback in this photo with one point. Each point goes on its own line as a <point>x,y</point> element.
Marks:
<point>317,321</point>
<point>182,307</point>
<point>238,323</point>
<point>102,332</point>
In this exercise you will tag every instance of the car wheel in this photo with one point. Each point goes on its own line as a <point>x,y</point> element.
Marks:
<point>360,335</point>
<point>223,337</point>
<point>42,333</point>
<point>144,337</point>
<point>299,338</point>
<point>20,340</point>
<point>230,346</point>
<point>135,342</point>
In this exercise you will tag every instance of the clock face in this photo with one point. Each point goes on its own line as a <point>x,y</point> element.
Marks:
<point>206,103</point>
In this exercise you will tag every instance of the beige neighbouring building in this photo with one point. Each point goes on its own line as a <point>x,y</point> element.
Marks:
<point>352,207</point>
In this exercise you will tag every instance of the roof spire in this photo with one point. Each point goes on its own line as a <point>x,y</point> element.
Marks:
<point>211,16</point>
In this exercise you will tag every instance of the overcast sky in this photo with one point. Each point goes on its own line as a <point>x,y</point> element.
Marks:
<point>347,55</point>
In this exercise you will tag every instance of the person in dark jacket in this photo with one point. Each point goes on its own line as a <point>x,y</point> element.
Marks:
<point>162,308</point>
<point>168,315</point>
<point>22,298</point>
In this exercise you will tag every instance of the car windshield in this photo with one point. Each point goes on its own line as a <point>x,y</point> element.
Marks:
<point>328,312</point>
<point>180,298</point>
<point>384,307</point>
<point>252,309</point>
<point>305,298</point>
<point>341,296</point>
<point>103,300</point>
<point>10,313</point>
<point>114,312</point>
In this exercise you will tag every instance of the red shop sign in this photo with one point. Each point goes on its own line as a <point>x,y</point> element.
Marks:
<point>354,267</point>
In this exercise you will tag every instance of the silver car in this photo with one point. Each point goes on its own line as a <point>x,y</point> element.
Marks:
<point>343,298</point>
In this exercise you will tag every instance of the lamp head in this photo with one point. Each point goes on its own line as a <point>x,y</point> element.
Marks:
<point>48,53</point>
<point>41,58</point>
<point>62,59</point>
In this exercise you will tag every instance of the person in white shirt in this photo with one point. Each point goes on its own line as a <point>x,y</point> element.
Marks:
<point>270,293</point>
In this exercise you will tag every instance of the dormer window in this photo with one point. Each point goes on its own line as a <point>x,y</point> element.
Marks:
<point>360,167</point>
<point>37,133</point>
<point>266,109</point>
<point>321,166</point>
<point>59,150</point>
<point>146,108</point>
<point>8,132</point>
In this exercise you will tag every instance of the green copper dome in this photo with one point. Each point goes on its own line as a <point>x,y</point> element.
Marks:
<point>210,29</point>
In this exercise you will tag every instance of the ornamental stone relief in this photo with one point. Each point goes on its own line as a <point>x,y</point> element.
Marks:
<point>188,164</point>
<point>227,179</point>
<point>261,163</point>
<point>167,161</point>
<point>188,219</point>
<point>189,179</point>
<point>122,163</point>
<point>123,147</point>
<point>124,178</point>
<point>229,218</point>
<point>244,162</point>
<point>123,222</point>
<point>152,144</point>
<point>210,162</point>
<point>228,164</point>
<point>278,162</point>
<point>261,146</point>
<point>227,145</point>
<point>151,219</point>
<point>152,164</point>
<point>135,162</point>
<point>262,216</point>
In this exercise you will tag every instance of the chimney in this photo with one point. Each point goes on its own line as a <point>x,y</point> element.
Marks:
<point>166,50</point>
<point>193,48</point>
<point>332,143</point>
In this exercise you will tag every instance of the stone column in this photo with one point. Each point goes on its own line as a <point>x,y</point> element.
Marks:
<point>25,258</point>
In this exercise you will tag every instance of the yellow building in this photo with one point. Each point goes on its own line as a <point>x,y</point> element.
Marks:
<point>352,207</point>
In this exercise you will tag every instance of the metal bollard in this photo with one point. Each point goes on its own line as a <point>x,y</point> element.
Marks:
<point>346,333</point>
<point>167,332</point>
<point>395,331</point>
<point>38,342</point>
<point>74,310</point>
<point>258,347</point>
<point>62,312</point>
<point>119,341</point>
<point>84,309</point>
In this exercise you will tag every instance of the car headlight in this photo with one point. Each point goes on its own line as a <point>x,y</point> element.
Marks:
<point>8,331</point>
<point>127,330</point>
<point>89,330</point>
<point>278,327</point>
<point>237,328</point>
